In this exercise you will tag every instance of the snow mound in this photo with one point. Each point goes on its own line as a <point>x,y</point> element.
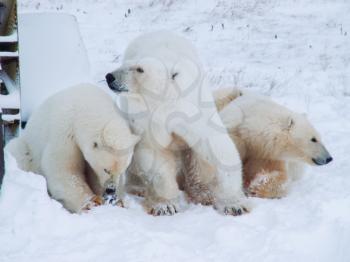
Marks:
<point>311,224</point>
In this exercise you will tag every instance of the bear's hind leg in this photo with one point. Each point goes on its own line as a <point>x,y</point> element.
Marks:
<point>65,178</point>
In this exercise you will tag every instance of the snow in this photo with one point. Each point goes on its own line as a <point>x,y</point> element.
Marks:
<point>296,51</point>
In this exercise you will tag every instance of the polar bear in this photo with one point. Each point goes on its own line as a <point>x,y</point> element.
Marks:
<point>80,143</point>
<point>272,140</point>
<point>169,104</point>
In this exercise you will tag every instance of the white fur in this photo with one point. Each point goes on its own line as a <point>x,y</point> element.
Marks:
<point>73,132</point>
<point>274,131</point>
<point>170,97</point>
<point>273,141</point>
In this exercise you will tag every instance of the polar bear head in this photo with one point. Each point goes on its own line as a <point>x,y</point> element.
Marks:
<point>152,77</point>
<point>288,135</point>
<point>303,142</point>
<point>110,152</point>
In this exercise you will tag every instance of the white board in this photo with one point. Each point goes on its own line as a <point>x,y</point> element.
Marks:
<point>52,57</point>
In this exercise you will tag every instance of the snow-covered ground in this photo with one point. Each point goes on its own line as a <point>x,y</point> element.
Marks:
<point>296,51</point>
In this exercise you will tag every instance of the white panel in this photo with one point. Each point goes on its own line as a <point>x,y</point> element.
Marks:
<point>52,57</point>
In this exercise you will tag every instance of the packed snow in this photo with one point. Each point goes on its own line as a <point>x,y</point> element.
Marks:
<point>296,51</point>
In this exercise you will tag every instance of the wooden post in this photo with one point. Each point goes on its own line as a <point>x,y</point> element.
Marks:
<point>2,160</point>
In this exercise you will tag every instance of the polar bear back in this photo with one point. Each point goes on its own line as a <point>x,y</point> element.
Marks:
<point>162,44</point>
<point>245,108</point>
<point>59,117</point>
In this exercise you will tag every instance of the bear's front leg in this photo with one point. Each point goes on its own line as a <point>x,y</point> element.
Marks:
<point>218,150</point>
<point>213,145</point>
<point>196,173</point>
<point>265,178</point>
<point>228,193</point>
<point>158,169</point>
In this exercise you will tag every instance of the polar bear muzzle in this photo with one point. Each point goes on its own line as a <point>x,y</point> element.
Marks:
<point>323,159</point>
<point>115,84</point>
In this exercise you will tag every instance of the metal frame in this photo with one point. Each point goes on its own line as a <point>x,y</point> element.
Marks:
<point>2,160</point>
<point>9,73</point>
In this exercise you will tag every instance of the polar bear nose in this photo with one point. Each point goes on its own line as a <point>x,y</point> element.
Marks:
<point>322,161</point>
<point>110,78</point>
<point>329,159</point>
<point>115,83</point>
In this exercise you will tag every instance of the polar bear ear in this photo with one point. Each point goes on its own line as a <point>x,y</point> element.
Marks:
<point>127,142</point>
<point>107,136</point>
<point>289,123</point>
<point>117,137</point>
<point>187,74</point>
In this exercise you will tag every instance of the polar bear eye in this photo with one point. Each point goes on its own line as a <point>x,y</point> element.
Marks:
<point>314,140</point>
<point>174,75</point>
<point>139,70</point>
<point>95,145</point>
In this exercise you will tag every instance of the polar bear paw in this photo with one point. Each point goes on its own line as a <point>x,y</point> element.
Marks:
<point>270,185</point>
<point>234,209</point>
<point>92,202</point>
<point>163,209</point>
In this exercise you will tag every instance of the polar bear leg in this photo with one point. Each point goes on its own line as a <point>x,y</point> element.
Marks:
<point>216,148</point>
<point>197,176</point>
<point>158,169</point>
<point>65,179</point>
<point>229,197</point>
<point>265,178</point>
<point>225,190</point>
<point>134,184</point>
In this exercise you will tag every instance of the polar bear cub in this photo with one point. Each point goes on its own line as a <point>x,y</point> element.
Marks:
<point>272,140</point>
<point>80,143</point>
<point>168,102</point>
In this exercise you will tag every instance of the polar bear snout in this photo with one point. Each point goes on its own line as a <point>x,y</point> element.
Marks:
<point>115,83</point>
<point>322,160</point>
<point>110,188</point>
<point>110,193</point>
<point>323,157</point>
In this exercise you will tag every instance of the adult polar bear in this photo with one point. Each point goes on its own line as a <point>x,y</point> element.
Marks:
<point>168,102</point>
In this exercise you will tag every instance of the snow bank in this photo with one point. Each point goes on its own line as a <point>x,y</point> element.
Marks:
<point>311,224</point>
